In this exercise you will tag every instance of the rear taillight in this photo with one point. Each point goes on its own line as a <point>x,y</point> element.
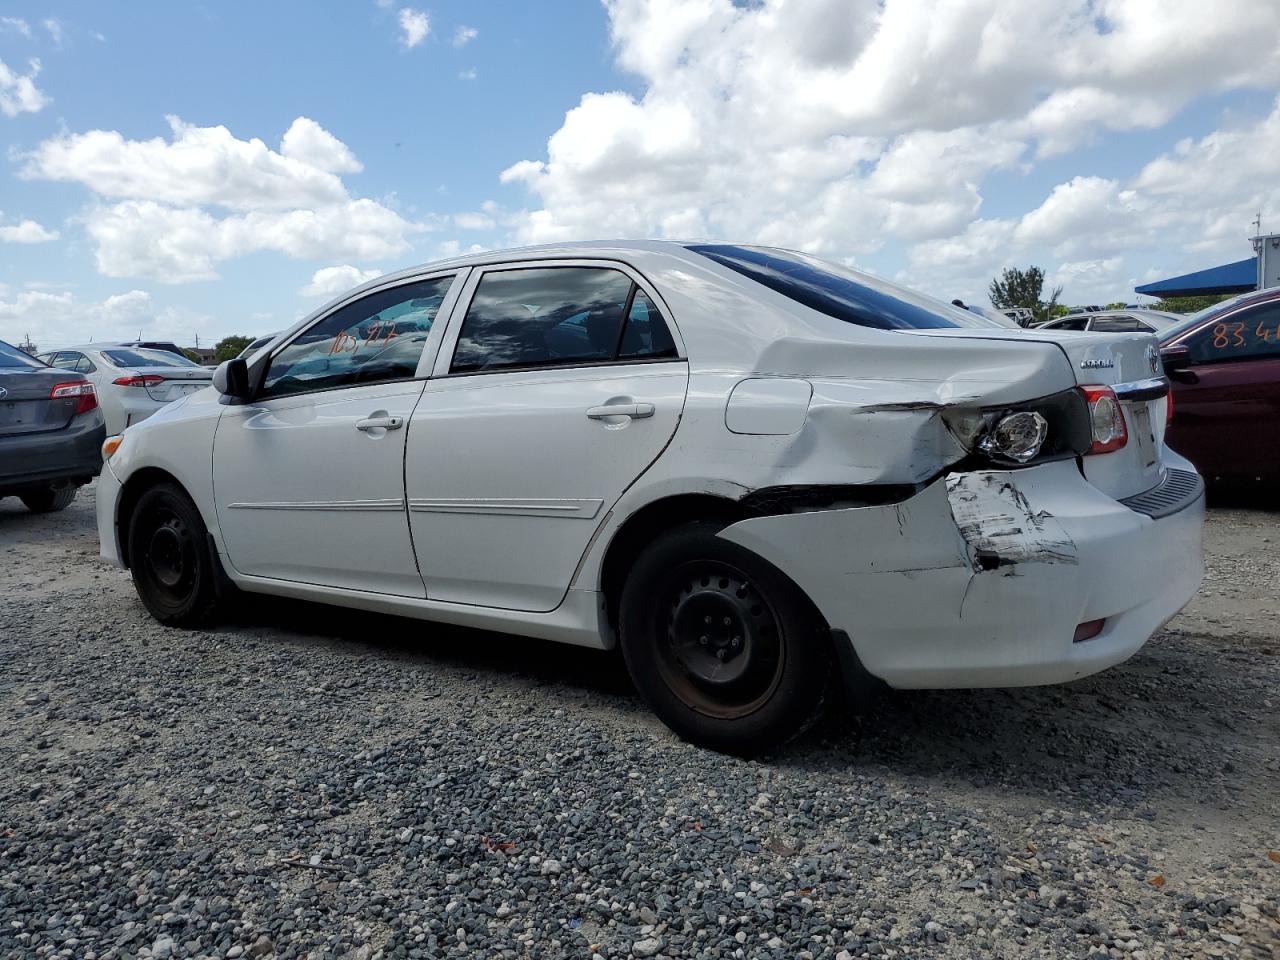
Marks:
<point>83,393</point>
<point>145,381</point>
<point>1106,419</point>
<point>1168,408</point>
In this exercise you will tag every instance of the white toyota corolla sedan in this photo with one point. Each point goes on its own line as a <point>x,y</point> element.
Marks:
<point>757,472</point>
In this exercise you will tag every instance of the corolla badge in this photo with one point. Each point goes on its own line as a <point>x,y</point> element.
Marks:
<point>1097,363</point>
<point>1153,358</point>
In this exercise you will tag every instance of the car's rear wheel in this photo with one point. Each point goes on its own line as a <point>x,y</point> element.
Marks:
<point>169,557</point>
<point>726,650</point>
<point>49,499</point>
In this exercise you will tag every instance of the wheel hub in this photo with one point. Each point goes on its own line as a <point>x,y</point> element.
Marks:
<point>715,629</point>
<point>167,553</point>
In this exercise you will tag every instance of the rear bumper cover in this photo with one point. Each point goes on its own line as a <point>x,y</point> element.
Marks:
<point>73,453</point>
<point>980,579</point>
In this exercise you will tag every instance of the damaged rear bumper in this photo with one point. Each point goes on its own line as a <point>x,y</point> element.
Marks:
<point>981,579</point>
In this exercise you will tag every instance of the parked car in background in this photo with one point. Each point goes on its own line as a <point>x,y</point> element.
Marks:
<point>51,431</point>
<point>132,382</point>
<point>258,344</point>
<point>1115,321</point>
<point>754,470</point>
<point>1224,363</point>
<point>166,345</point>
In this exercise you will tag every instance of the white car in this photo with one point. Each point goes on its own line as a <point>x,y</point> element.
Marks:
<point>132,382</point>
<point>1115,321</point>
<point>756,472</point>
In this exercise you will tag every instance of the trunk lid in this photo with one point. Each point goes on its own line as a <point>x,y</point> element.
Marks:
<point>25,405</point>
<point>1106,359</point>
<point>174,382</point>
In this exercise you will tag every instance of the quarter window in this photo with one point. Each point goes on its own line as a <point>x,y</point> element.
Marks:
<point>558,316</point>
<point>377,338</point>
<point>1239,336</point>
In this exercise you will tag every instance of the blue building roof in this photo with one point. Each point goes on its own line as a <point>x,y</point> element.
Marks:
<point>1238,277</point>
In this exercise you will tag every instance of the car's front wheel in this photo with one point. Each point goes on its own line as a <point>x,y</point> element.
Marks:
<point>169,557</point>
<point>49,499</point>
<point>726,650</point>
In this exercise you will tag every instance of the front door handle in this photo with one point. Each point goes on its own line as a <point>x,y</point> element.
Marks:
<point>636,411</point>
<point>380,423</point>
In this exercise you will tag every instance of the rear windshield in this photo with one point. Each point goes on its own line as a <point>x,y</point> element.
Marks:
<point>11,358</point>
<point>845,294</point>
<point>146,358</point>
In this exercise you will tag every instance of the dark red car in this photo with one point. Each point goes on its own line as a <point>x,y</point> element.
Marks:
<point>1224,363</point>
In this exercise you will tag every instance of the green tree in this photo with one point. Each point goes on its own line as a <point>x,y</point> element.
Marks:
<point>1188,304</point>
<point>191,355</point>
<point>1023,288</point>
<point>1117,305</point>
<point>229,347</point>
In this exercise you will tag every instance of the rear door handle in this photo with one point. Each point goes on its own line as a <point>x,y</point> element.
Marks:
<point>384,423</point>
<point>636,411</point>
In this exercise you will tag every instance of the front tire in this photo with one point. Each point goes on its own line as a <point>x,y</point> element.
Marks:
<point>169,557</point>
<point>726,650</point>
<point>50,499</point>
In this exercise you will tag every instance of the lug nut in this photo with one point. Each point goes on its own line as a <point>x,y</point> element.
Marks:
<point>703,639</point>
<point>728,622</point>
<point>736,641</point>
<point>719,654</point>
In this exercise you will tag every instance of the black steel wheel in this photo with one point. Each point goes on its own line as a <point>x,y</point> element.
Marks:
<point>169,557</point>
<point>728,651</point>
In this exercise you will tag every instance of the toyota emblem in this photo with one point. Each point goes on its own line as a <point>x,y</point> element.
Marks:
<point>3,393</point>
<point>1153,358</point>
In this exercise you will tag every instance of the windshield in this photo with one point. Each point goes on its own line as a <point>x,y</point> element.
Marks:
<point>11,358</point>
<point>839,292</point>
<point>146,358</point>
<point>1186,323</point>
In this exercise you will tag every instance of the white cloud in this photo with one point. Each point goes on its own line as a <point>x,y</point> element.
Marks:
<point>18,91</point>
<point>468,74</point>
<point>331,281</point>
<point>415,25</point>
<point>61,319</point>
<point>309,143</point>
<point>174,209</point>
<point>15,25</point>
<point>56,32</point>
<point>473,221</point>
<point>27,231</point>
<point>464,35</point>
<point>842,126</point>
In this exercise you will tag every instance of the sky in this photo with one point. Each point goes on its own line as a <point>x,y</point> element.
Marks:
<point>226,168</point>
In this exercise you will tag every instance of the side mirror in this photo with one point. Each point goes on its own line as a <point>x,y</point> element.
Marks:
<point>231,379</point>
<point>1176,361</point>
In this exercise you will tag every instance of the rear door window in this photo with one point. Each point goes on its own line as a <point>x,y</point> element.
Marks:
<point>1246,335</point>
<point>558,316</point>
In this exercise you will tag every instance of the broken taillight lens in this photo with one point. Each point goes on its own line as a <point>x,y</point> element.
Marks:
<point>1106,420</point>
<point>86,397</point>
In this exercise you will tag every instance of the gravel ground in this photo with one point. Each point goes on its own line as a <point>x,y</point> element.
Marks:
<point>308,782</point>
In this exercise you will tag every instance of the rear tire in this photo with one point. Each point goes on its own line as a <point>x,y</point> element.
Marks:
<point>50,499</point>
<point>722,645</point>
<point>170,558</point>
